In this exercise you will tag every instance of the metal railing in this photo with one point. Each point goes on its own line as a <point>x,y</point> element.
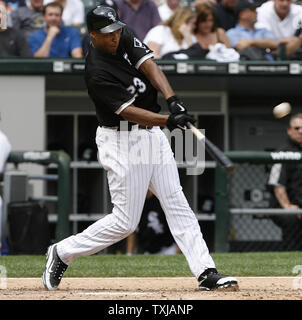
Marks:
<point>252,170</point>
<point>62,160</point>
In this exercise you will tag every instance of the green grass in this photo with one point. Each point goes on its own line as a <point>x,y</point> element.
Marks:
<point>102,265</point>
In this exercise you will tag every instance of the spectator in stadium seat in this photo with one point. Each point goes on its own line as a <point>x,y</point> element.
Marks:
<point>196,3</point>
<point>73,13</point>
<point>167,8</point>
<point>252,43</point>
<point>28,19</point>
<point>3,16</point>
<point>225,14</point>
<point>139,15</point>
<point>284,19</point>
<point>206,31</point>
<point>13,44</point>
<point>12,41</point>
<point>12,5</point>
<point>285,181</point>
<point>55,40</point>
<point>173,34</point>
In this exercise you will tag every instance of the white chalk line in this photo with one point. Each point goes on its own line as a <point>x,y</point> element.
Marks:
<point>159,278</point>
<point>116,293</point>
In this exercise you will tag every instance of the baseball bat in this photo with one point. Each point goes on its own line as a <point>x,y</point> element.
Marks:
<point>213,150</point>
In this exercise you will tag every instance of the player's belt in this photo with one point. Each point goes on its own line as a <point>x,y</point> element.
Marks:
<point>130,127</point>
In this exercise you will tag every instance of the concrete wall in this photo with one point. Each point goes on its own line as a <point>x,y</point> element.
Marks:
<point>22,108</point>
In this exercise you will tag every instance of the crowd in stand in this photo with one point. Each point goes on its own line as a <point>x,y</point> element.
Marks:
<point>221,30</point>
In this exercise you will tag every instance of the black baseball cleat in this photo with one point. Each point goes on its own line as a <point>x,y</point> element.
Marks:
<point>54,269</point>
<point>210,279</point>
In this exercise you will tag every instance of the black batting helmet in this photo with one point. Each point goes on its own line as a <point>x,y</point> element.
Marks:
<point>108,3</point>
<point>103,19</point>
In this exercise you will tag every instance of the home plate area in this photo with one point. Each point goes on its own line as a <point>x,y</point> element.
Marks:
<point>176,288</point>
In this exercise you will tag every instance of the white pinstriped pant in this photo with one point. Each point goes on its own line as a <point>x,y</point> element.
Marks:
<point>144,160</point>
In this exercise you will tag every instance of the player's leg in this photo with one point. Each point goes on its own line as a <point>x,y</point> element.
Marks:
<point>182,221</point>
<point>128,184</point>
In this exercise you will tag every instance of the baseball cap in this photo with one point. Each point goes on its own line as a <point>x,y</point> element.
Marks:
<point>245,4</point>
<point>103,19</point>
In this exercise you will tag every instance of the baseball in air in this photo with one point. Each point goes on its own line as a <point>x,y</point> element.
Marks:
<point>282,110</point>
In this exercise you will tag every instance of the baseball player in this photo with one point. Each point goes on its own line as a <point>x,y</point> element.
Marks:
<point>123,82</point>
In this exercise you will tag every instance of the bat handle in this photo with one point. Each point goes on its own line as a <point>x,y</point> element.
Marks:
<point>189,125</point>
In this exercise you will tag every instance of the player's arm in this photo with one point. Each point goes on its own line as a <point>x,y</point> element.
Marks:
<point>141,57</point>
<point>157,78</point>
<point>149,118</point>
<point>160,82</point>
<point>144,117</point>
<point>282,197</point>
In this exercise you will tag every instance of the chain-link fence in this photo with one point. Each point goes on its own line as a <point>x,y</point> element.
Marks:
<point>256,221</point>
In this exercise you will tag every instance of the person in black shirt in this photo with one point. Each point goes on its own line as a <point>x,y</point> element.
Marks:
<point>226,17</point>
<point>152,234</point>
<point>286,182</point>
<point>13,44</point>
<point>123,82</point>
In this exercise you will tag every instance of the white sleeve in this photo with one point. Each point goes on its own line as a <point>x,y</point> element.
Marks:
<point>156,35</point>
<point>78,13</point>
<point>45,2</point>
<point>263,19</point>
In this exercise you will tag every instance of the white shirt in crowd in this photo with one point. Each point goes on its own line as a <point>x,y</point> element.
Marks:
<point>267,18</point>
<point>74,12</point>
<point>165,12</point>
<point>164,37</point>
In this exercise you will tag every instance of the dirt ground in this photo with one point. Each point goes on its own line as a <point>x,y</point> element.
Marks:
<point>250,288</point>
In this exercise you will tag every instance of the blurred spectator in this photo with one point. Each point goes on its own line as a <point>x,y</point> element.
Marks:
<point>286,182</point>
<point>5,149</point>
<point>225,14</point>
<point>195,4</point>
<point>159,2</point>
<point>28,19</point>
<point>12,5</point>
<point>139,15</point>
<point>173,34</point>
<point>167,8</point>
<point>55,40</point>
<point>294,47</point>
<point>73,13</point>
<point>283,18</point>
<point>252,43</point>
<point>3,17</point>
<point>13,44</point>
<point>206,31</point>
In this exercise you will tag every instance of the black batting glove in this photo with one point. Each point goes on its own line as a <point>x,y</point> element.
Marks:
<point>175,105</point>
<point>179,120</point>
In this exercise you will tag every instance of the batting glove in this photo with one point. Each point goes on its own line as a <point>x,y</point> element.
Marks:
<point>175,105</point>
<point>179,120</point>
